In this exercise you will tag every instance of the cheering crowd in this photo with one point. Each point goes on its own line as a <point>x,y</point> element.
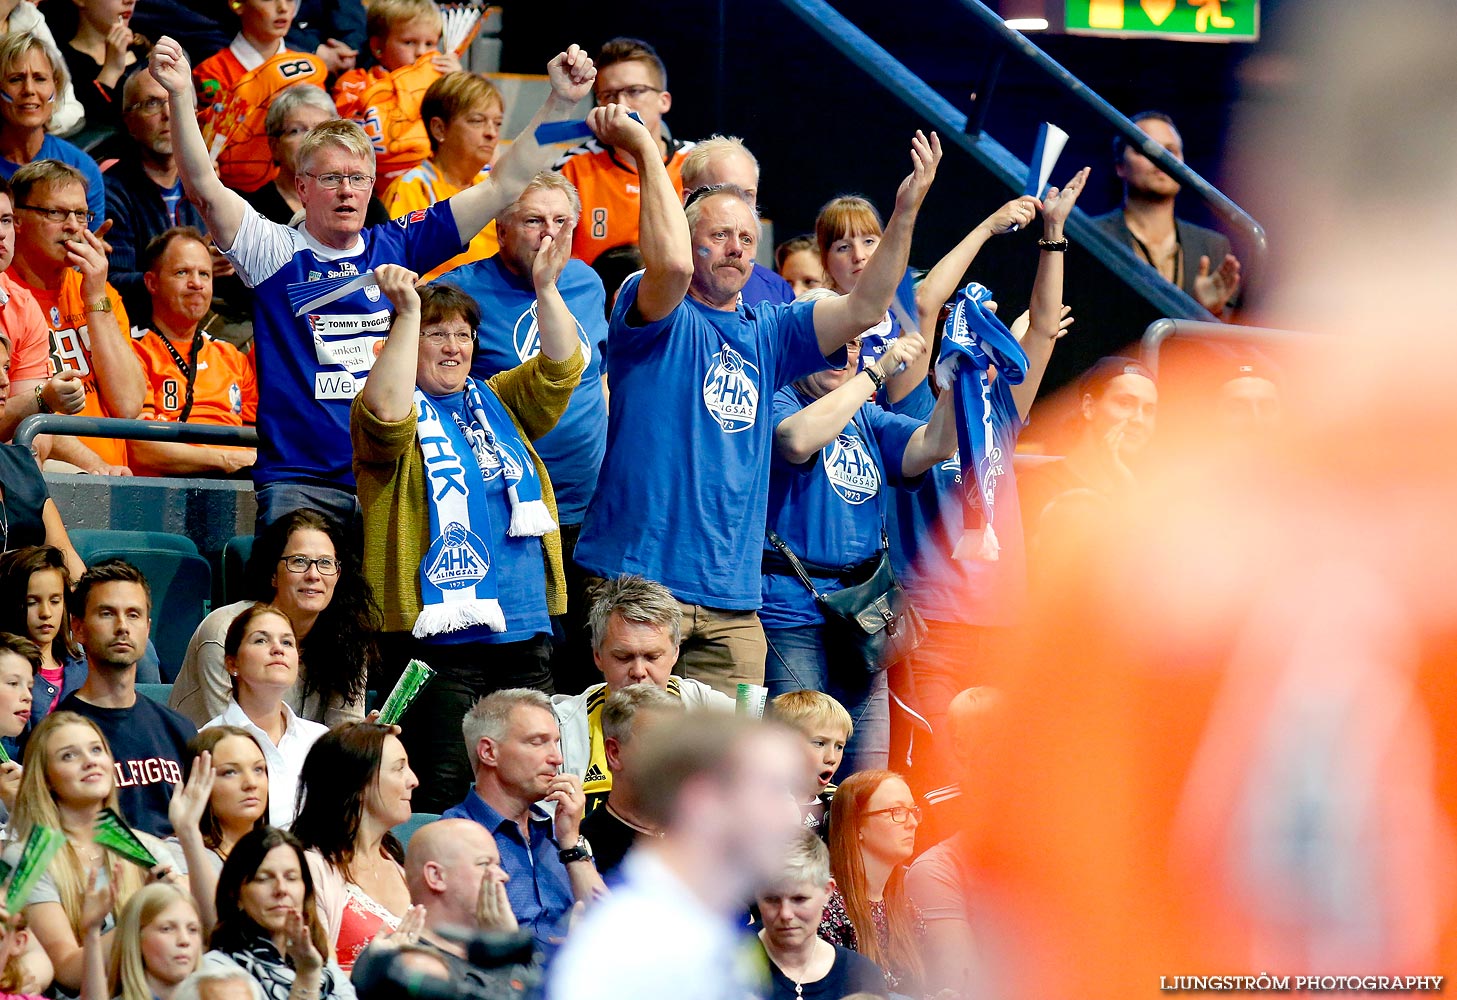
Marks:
<point>541,422</point>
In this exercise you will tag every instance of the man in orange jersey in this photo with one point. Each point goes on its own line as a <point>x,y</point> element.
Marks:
<point>63,264</point>
<point>190,376</point>
<point>630,73</point>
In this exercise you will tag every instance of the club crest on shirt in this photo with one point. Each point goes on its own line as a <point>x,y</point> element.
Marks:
<point>457,559</point>
<point>851,469</point>
<point>731,391</point>
<point>235,398</point>
<point>953,464</point>
<point>526,336</point>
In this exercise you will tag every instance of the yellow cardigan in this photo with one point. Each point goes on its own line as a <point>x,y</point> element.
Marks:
<point>389,471</point>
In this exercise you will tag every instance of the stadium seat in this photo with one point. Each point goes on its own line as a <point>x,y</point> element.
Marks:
<point>96,544</point>
<point>181,585</point>
<point>405,830</point>
<point>157,692</point>
<point>236,554</point>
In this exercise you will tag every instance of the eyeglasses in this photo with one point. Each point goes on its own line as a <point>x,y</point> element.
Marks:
<point>151,107</point>
<point>631,93</point>
<point>59,215</point>
<point>332,182</point>
<point>328,566</point>
<point>898,814</point>
<point>438,338</point>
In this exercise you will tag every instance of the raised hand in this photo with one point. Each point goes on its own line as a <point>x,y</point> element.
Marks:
<point>169,67</point>
<point>398,285</point>
<point>10,775</point>
<point>903,350</point>
<point>925,158</point>
<point>118,40</point>
<point>1023,323</point>
<point>551,258</point>
<point>87,254</point>
<point>337,56</point>
<point>190,799</point>
<point>1015,213</point>
<point>99,900</point>
<point>572,75</point>
<point>446,62</point>
<point>1058,204</point>
<point>407,932</point>
<point>299,944</point>
<point>613,126</point>
<point>571,806</point>
<point>493,908</point>
<point>1215,290</point>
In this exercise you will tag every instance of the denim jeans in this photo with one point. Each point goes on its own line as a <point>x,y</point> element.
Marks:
<point>277,499</point>
<point>803,657</point>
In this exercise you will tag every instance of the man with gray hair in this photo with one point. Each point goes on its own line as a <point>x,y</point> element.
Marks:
<point>316,346</point>
<point>636,627</point>
<point>724,159</point>
<point>515,750</point>
<point>508,336</point>
<point>626,716</point>
<point>219,982</point>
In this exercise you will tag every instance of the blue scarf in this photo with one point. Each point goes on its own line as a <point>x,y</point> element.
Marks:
<point>457,589</point>
<point>974,341</point>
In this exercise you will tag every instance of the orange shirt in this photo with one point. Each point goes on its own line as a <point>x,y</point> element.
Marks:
<point>225,391</point>
<point>608,187</point>
<point>422,187</point>
<point>65,313</point>
<point>387,106</point>
<point>25,326</point>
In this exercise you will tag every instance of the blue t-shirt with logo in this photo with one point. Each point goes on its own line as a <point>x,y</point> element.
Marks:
<point>830,509</point>
<point>509,336</point>
<point>926,525</point>
<point>685,482</point>
<point>517,568</point>
<point>310,367</point>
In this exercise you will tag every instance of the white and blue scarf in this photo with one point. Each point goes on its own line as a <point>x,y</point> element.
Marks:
<point>974,341</point>
<point>457,589</point>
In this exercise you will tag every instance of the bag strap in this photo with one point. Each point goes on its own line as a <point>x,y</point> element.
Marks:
<point>794,563</point>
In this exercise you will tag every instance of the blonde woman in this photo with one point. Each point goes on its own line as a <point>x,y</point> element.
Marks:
<point>69,778</point>
<point>157,944</point>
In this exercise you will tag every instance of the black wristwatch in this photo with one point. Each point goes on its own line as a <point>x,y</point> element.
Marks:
<point>580,851</point>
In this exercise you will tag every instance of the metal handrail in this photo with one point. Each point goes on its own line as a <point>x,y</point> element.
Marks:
<point>1135,136</point>
<point>1161,330</point>
<point>132,430</point>
<point>1166,298</point>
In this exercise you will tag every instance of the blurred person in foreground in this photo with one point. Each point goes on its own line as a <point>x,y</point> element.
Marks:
<point>725,799</point>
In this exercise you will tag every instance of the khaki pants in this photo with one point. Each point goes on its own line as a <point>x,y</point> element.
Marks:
<point>723,649</point>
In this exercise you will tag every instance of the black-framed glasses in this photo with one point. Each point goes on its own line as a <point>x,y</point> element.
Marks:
<point>151,107</point>
<point>898,814</point>
<point>333,182</point>
<point>328,565</point>
<point>59,215</point>
<point>632,93</point>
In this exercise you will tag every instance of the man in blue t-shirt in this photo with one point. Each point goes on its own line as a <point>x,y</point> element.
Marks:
<point>685,481</point>
<point>310,367</point>
<point>111,613</point>
<point>724,159</point>
<point>508,336</point>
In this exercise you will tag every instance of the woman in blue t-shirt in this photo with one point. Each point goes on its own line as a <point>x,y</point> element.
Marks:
<point>835,453</point>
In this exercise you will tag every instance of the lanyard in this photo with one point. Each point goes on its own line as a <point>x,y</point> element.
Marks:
<point>1178,278</point>
<point>188,369</point>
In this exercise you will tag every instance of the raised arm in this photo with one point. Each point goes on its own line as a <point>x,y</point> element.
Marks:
<point>221,207</point>
<point>572,75</point>
<point>935,442</point>
<point>185,812</point>
<point>663,236</point>
<point>840,320</point>
<point>554,320</point>
<point>1045,326</point>
<point>799,437</point>
<point>389,393</point>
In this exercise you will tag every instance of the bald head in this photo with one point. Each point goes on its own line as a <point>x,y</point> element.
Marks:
<point>444,866</point>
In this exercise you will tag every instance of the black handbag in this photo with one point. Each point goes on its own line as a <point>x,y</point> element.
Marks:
<point>877,612</point>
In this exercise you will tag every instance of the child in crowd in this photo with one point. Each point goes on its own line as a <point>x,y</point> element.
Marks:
<point>827,728</point>
<point>18,976</point>
<point>236,85</point>
<point>404,39</point>
<point>19,659</point>
<point>157,944</point>
<point>34,583</point>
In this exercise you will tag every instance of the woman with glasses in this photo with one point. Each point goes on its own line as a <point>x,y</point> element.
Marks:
<point>872,836</point>
<point>304,566</point>
<point>32,76</point>
<point>460,522</point>
<point>261,654</point>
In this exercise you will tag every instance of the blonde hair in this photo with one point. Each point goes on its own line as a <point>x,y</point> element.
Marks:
<point>128,970</point>
<point>847,215</point>
<point>805,710</point>
<point>35,805</point>
<point>547,180</point>
<point>385,15</point>
<point>341,134</point>
<point>16,44</point>
<point>456,94</point>
<point>807,862</point>
<point>703,153</point>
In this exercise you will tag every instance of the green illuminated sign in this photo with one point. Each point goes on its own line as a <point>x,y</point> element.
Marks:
<point>1182,20</point>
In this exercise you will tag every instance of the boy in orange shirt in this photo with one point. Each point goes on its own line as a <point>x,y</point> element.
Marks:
<point>191,378</point>
<point>629,72</point>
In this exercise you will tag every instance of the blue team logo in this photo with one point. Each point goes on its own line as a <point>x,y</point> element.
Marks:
<point>235,398</point>
<point>851,470</point>
<point>731,391</point>
<point>953,465</point>
<point>526,336</point>
<point>492,455</point>
<point>457,560</point>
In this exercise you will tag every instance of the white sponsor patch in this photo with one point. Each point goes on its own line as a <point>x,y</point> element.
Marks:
<point>336,385</point>
<point>357,354</point>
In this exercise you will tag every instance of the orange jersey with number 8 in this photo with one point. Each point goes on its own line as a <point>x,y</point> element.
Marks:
<point>610,191</point>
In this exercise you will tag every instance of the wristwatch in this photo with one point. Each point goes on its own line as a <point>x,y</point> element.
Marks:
<point>580,851</point>
<point>41,406</point>
<point>101,305</point>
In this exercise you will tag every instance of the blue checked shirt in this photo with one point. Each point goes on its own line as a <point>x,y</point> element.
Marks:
<point>540,890</point>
